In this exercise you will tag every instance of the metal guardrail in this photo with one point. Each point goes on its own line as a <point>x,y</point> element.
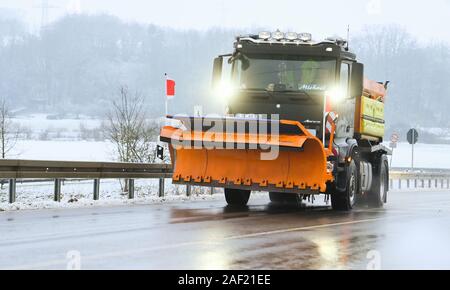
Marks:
<point>74,169</point>
<point>57,171</point>
<point>12,170</point>
<point>419,178</point>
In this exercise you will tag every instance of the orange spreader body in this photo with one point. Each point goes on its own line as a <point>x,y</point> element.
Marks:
<point>374,90</point>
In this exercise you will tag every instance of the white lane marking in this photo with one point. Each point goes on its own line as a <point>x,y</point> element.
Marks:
<point>54,263</point>
<point>303,229</point>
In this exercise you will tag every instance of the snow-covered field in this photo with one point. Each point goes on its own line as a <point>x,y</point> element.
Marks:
<point>43,127</point>
<point>37,122</point>
<point>64,150</point>
<point>425,156</point>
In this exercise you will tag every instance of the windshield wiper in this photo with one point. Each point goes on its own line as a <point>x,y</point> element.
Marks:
<point>267,93</point>
<point>304,93</point>
<point>273,93</point>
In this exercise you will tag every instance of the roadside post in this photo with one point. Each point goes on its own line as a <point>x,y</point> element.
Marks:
<point>393,145</point>
<point>413,137</point>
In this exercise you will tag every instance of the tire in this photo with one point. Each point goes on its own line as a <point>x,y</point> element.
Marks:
<point>377,196</point>
<point>237,197</point>
<point>282,197</point>
<point>345,200</point>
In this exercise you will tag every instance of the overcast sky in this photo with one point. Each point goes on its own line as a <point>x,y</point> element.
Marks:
<point>429,20</point>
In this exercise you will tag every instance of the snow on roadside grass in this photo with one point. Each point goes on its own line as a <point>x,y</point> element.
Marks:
<point>85,202</point>
<point>76,194</point>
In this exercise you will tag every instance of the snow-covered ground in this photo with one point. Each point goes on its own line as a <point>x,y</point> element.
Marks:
<point>80,194</point>
<point>63,150</point>
<point>425,156</point>
<point>44,127</point>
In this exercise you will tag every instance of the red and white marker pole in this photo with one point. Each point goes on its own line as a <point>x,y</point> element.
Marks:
<point>326,110</point>
<point>170,92</point>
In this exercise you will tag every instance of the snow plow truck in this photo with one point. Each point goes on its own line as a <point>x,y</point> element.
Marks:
<point>301,120</point>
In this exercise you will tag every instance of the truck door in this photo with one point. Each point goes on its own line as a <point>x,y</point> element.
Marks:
<point>346,107</point>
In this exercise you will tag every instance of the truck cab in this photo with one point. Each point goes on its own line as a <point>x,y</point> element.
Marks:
<point>293,79</point>
<point>325,118</point>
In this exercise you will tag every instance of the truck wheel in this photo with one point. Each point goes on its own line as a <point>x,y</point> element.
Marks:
<point>237,197</point>
<point>282,197</point>
<point>344,201</point>
<point>378,193</point>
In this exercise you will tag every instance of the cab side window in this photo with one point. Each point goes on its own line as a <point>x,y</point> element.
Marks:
<point>345,77</point>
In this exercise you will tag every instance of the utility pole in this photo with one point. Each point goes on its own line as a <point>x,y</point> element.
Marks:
<point>44,13</point>
<point>45,8</point>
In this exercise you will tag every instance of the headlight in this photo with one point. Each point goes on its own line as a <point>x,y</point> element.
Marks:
<point>291,36</point>
<point>305,37</point>
<point>224,90</point>
<point>264,35</point>
<point>335,95</point>
<point>278,35</point>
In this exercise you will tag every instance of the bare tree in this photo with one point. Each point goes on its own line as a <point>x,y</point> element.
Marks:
<point>129,130</point>
<point>9,132</point>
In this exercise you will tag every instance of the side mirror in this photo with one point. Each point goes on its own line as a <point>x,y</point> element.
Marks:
<point>217,71</point>
<point>357,80</point>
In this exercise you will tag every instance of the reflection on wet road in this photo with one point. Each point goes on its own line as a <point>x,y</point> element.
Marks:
<point>410,232</point>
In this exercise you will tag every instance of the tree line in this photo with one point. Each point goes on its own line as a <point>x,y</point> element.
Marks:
<point>79,63</point>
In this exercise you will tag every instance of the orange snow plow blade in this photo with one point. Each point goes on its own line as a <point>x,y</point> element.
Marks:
<point>289,160</point>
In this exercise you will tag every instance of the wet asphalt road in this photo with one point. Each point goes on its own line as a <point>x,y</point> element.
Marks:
<point>411,232</point>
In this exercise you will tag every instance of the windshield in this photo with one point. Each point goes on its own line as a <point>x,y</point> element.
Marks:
<point>284,73</point>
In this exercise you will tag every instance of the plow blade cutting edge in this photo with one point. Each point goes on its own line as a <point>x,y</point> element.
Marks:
<point>288,160</point>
